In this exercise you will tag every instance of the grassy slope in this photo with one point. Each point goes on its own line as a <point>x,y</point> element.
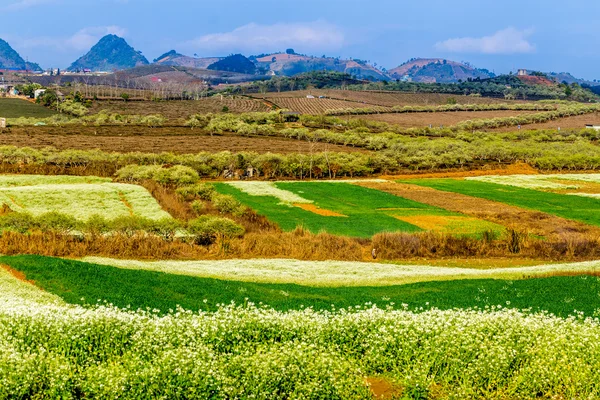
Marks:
<point>360,205</point>
<point>16,108</point>
<point>586,210</point>
<point>74,280</point>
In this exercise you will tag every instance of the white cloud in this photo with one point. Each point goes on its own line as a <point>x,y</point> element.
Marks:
<point>254,37</point>
<point>506,41</point>
<point>87,37</point>
<point>22,4</point>
<point>82,40</point>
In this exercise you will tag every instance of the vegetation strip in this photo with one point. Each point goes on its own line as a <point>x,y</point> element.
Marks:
<point>84,283</point>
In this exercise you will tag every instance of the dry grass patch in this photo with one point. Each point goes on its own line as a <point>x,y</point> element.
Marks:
<point>446,224</point>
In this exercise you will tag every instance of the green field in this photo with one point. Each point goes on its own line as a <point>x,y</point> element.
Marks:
<point>83,283</point>
<point>583,209</point>
<point>17,108</point>
<point>356,211</point>
<point>79,197</point>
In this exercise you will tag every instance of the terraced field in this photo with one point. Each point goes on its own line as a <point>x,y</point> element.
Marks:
<point>346,209</point>
<point>314,106</point>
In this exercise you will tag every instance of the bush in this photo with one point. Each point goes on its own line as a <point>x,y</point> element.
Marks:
<point>207,228</point>
<point>197,206</point>
<point>176,175</point>
<point>227,204</point>
<point>56,221</point>
<point>203,191</point>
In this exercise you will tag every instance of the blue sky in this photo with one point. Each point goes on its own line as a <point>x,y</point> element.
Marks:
<point>504,35</point>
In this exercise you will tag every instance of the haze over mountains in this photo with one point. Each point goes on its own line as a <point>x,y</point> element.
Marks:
<point>113,53</point>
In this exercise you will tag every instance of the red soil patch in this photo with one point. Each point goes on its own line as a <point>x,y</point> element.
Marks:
<point>17,274</point>
<point>382,389</point>
<point>536,80</point>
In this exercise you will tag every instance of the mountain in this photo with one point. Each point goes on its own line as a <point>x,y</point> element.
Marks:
<point>10,59</point>
<point>234,63</point>
<point>110,53</point>
<point>290,63</point>
<point>175,59</point>
<point>432,70</point>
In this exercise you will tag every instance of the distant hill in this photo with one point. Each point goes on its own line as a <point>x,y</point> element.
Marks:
<point>176,59</point>
<point>110,53</point>
<point>437,70</point>
<point>234,63</point>
<point>290,64</point>
<point>10,59</point>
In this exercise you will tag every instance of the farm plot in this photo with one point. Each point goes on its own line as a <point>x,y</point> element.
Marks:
<point>422,120</point>
<point>17,108</point>
<point>174,110</point>
<point>517,191</point>
<point>139,286</point>
<point>316,105</point>
<point>384,99</point>
<point>79,197</point>
<point>346,209</point>
<point>496,352</point>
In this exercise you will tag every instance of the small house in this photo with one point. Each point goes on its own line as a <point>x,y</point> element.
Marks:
<point>2,122</point>
<point>310,96</point>
<point>522,72</point>
<point>39,92</point>
<point>291,116</point>
<point>590,126</point>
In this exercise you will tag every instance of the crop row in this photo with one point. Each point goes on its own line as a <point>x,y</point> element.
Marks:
<point>444,108</point>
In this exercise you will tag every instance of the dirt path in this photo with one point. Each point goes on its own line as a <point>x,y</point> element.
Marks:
<point>534,222</point>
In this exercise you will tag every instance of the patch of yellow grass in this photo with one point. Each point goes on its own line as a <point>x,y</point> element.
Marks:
<point>319,211</point>
<point>447,224</point>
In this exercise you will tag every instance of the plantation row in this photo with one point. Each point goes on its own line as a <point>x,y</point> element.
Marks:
<point>538,106</point>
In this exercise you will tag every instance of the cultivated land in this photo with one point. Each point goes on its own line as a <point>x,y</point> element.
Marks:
<point>79,197</point>
<point>15,108</point>
<point>176,281</point>
<point>346,209</point>
<point>180,109</point>
<point>422,120</point>
<point>155,140</point>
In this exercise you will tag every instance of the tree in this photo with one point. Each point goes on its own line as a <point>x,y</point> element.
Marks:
<point>290,51</point>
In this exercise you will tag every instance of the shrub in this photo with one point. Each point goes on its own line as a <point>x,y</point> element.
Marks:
<point>197,206</point>
<point>176,175</point>
<point>203,191</point>
<point>207,228</point>
<point>16,221</point>
<point>227,204</point>
<point>56,221</point>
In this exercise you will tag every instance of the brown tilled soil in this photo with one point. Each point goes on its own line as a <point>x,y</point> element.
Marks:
<point>512,169</point>
<point>154,140</point>
<point>422,120</point>
<point>534,222</point>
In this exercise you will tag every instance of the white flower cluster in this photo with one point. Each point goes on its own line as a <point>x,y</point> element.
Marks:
<point>538,181</point>
<point>60,351</point>
<point>337,273</point>
<point>258,188</point>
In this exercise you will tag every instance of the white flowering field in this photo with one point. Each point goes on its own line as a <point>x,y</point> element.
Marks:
<point>547,181</point>
<point>53,350</point>
<point>338,273</point>
<point>80,197</point>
